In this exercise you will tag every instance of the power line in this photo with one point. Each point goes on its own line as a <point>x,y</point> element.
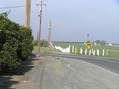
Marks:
<point>12,7</point>
<point>48,15</point>
<point>48,12</point>
<point>50,9</point>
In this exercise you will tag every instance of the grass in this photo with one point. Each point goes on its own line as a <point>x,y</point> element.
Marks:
<point>42,49</point>
<point>95,47</point>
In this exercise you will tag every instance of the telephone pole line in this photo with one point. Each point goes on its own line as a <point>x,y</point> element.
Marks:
<point>27,14</point>
<point>50,25</point>
<point>40,24</point>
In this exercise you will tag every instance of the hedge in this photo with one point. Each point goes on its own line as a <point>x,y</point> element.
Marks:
<point>15,44</point>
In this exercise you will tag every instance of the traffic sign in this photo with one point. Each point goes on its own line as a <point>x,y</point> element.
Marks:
<point>88,44</point>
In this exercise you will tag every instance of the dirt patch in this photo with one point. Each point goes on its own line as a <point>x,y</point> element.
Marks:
<point>56,58</point>
<point>45,57</point>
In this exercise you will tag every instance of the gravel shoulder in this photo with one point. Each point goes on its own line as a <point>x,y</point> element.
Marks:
<point>46,72</point>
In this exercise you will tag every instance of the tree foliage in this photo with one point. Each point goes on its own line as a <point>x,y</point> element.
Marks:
<point>97,41</point>
<point>43,43</point>
<point>100,42</point>
<point>15,43</point>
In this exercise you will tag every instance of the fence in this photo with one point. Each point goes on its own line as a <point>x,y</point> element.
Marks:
<point>107,51</point>
<point>87,51</point>
<point>92,52</point>
<point>75,50</point>
<point>64,50</point>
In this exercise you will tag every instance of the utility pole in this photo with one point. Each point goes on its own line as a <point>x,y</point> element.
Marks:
<point>27,14</point>
<point>88,38</point>
<point>40,24</point>
<point>50,25</point>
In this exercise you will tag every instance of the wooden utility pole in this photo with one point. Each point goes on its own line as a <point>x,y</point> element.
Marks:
<point>39,33</point>
<point>40,24</point>
<point>27,14</point>
<point>50,25</point>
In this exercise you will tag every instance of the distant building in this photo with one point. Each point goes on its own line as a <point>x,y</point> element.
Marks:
<point>95,43</point>
<point>109,44</point>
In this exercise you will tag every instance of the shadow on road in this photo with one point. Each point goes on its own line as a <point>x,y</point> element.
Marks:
<point>7,80</point>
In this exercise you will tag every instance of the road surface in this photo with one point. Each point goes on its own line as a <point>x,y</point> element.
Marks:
<point>108,63</point>
<point>64,71</point>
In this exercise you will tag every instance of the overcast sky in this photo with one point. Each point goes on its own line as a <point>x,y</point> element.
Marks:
<point>73,19</point>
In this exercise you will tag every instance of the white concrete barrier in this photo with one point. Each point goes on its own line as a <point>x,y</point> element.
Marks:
<point>93,52</point>
<point>51,45</point>
<point>85,51</point>
<point>103,52</point>
<point>98,52</point>
<point>89,52</point>
<point>73,49</point>
<point>81,51</point>
<point>76,50</point>
<point>64,50</point>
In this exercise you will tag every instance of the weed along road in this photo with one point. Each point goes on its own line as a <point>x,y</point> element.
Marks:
<point>66,71</point>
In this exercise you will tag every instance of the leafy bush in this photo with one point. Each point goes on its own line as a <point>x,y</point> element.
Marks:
<point>26,46</point>
<point>15,44</point>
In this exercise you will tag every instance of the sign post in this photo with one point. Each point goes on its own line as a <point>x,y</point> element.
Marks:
<point>89,45</point>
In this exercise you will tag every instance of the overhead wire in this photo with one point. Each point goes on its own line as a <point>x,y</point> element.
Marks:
<point>48,12</point>
<point>50,9</point>
<point>12,7</point>
<point>48,15</point>
<point>44,21</point>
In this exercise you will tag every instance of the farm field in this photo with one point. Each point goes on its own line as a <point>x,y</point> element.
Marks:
<point>112,51</point>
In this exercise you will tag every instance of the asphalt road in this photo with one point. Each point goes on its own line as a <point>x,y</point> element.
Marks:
<point>107,63</point>
<point>66,71</point>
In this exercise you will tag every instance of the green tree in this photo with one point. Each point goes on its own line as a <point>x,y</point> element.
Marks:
<point>97,41</point>
<point>15,43</point>
<point>103,42</point>
<point>8,44</point>
<point>25,45</point>
<point>43,43</point>
<point>35,42</point>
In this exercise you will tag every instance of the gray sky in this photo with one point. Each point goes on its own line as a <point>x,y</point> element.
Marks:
<point>73,19</point>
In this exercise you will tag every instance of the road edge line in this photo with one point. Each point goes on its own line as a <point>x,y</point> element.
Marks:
<point>102,68</point>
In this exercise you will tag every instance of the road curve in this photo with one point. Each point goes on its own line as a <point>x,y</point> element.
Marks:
<point>107,63</point>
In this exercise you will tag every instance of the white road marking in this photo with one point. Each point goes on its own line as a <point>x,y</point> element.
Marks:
<point>103,68</point>
<point>98,58</point>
